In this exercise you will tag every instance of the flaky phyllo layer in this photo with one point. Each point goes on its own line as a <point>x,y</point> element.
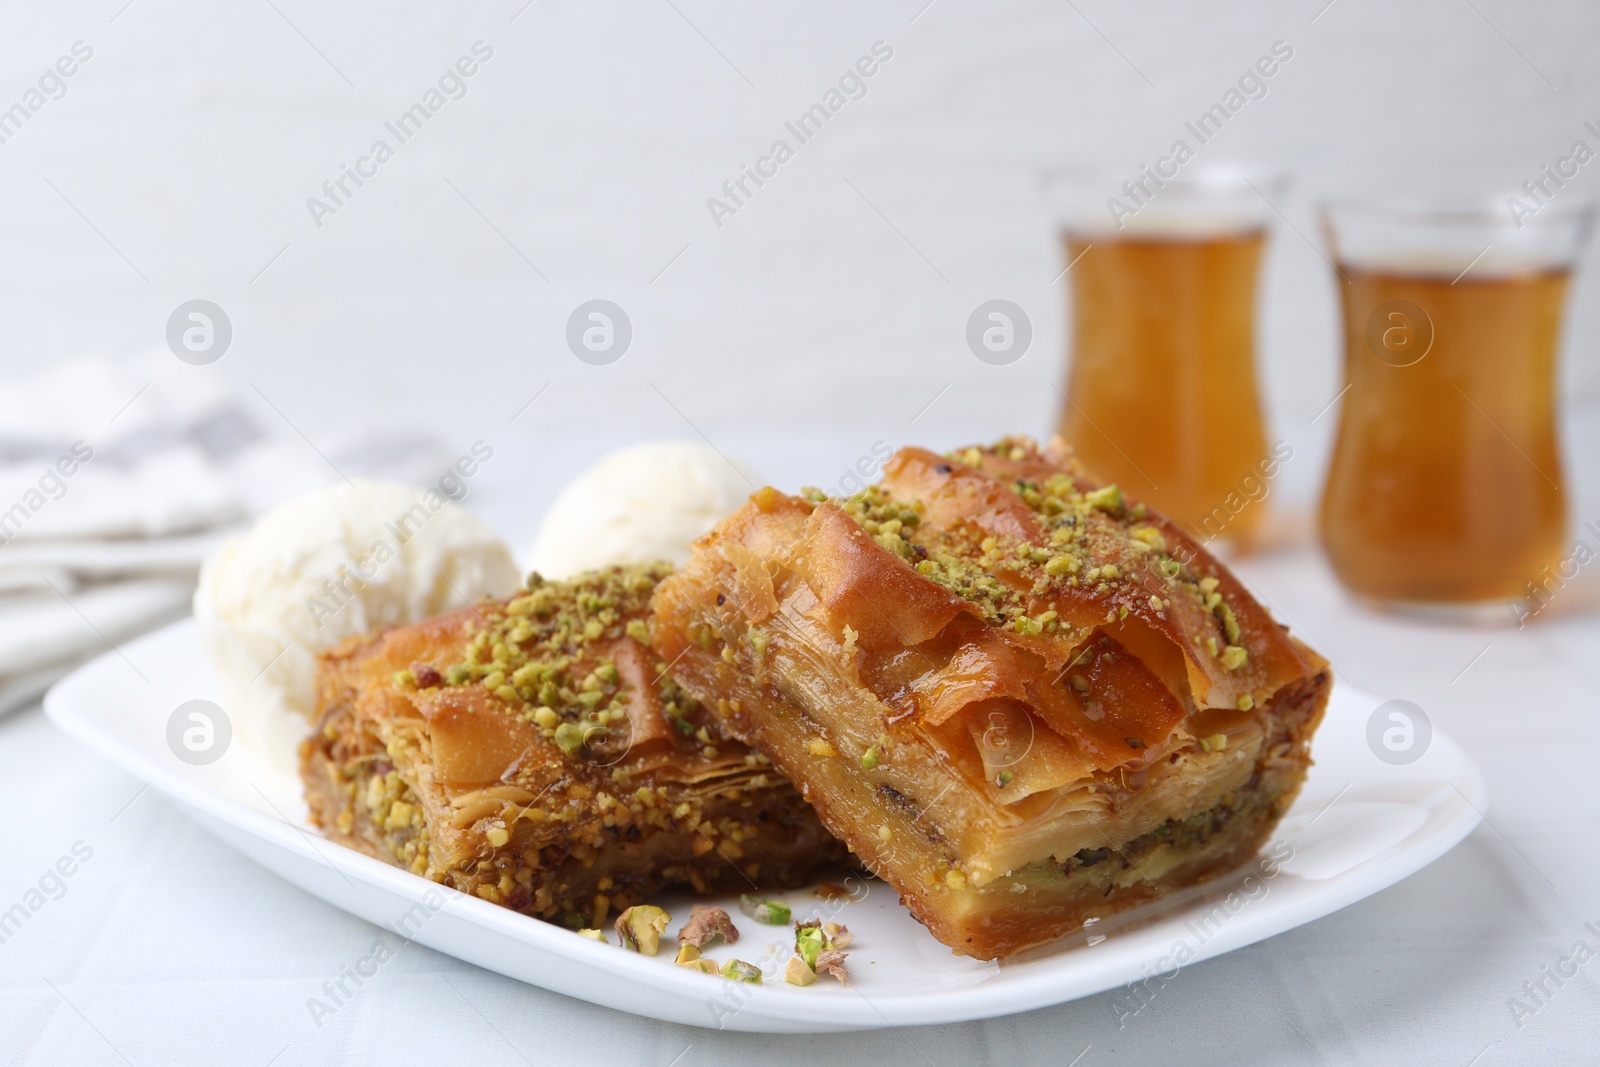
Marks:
<point>535,752</point>
<point>998,668</point>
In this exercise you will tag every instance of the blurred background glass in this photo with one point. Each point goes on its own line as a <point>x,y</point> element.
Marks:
<point>1161,390</point>
<point>1447,485</point>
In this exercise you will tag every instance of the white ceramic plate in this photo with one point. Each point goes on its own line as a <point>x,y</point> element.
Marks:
<point>1361,825</point>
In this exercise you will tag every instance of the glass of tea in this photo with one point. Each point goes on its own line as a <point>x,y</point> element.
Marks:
<point>1161,387</point>
<point>1445,493</point>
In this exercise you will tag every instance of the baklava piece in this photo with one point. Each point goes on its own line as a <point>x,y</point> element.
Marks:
<point>1024,700</point>
<point>536,753</point>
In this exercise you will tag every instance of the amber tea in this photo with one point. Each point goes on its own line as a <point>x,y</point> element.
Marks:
<point>1446,481</point>
<point>1161,393</point>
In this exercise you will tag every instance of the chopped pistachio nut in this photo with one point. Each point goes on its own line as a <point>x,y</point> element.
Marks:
<point>740,971</point>
<point>705,925</point>
<point>1150,536</point>
<point>689,956</point>
<point>772,912</point>
<point>870,758</point>
<point>1107,498</point>
<point>797,973</point>
<point>594,935</point>
<point>1246,702</point>
<point>1214,743</point>
<point>641,927</point>
<point>838,935</point>
<point>1233,657</point>
<point>809,941</point>
<point>569,737</point>
<point>1003,779</point>
<point>1058,565</point>
<point>1230,625</point>
<point>819,747</point>
<point>832,962</point>
<point>404,679</point>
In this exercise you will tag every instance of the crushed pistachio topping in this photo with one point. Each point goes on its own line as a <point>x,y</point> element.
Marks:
<point>871,758</point>
<point>536,652</point>
<point>641,927</point>
<point>1107,498</point>
<point>772,912</point>
<point>1013,582</point>
<point>1246,702</point>
<point>1234,656</point>
<point>1214,743</point>
<point>594,935</point>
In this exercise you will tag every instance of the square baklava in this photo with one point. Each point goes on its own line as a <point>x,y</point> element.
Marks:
<point>535,752</point>
<point>1022,698</point>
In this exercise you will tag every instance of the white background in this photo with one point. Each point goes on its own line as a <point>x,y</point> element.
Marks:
<point>824,316</point>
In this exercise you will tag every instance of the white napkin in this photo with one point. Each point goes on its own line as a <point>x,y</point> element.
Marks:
<point>44,635</point>
<point>118,477</point>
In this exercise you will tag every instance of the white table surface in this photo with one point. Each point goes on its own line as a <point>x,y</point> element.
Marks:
<point>169,947</point>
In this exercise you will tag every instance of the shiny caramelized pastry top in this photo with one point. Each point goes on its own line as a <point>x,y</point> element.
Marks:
<point>1006,570</point>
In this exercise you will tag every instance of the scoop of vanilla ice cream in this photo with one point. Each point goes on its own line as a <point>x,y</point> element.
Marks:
<point>332,564</point>
<point>638,504</point>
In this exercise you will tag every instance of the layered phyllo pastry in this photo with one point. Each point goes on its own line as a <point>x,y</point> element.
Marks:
<point>1022,698</point>
<point>536,753</point>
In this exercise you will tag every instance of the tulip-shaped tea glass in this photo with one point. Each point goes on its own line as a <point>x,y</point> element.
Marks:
<point>1445,489</point>
<point>1161,389</point>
